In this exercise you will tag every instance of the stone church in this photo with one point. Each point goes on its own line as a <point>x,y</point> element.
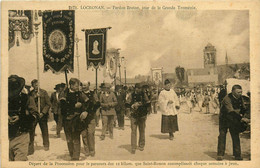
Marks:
<point>208,74</point>
<point>214,74</point>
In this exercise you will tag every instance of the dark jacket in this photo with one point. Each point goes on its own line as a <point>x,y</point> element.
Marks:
<point>121,99</point>
<point>55,103</point>
<point>92,104</point>
<point>21,106</point>
<point>70,113</point>
<point>44,100</point>
<point>221,95</point>
<point>143,99</point>
<point>231,112</point>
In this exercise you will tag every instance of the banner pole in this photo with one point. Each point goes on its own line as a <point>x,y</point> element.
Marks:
<point>36,24</point>
<point>125,76</point>
<point>96,78</point>
<point>119,71</point>
<point>66,78</point>
<point>77,53</point>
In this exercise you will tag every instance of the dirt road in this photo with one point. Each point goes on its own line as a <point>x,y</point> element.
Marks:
<point>196,140</point>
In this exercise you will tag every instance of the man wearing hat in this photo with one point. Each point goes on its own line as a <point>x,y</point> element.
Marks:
<point>73,113</point>
<point>88,134</point>
<point>108,102</point>
<point>139,102</point>
<point>231,118</point>
<point>120,107</point>
<point>19,120</point>
<point>41,117</point>
<point>55,108</point>
<point>154,99</point>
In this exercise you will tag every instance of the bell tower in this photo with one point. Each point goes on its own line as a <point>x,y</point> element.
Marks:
<point>209,56</point>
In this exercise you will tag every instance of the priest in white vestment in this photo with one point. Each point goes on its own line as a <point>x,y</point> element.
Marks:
<point>169,106</point>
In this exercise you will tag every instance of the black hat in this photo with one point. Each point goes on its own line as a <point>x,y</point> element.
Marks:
<point>118,87</point>
<point>102,85</point>
<point>138,85</point>
<point>15,85</point>
<point>105,85</point>
<point>145,86</point>
<point>62,85</point>
<point>57,86</point>
<point>167,81</point>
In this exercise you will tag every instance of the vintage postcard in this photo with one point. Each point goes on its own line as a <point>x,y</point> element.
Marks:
<point>130,84</point>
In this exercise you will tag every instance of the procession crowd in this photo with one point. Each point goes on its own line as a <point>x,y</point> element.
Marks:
<point>78,110</point>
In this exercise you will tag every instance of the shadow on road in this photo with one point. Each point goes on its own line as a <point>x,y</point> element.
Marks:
<point>62,136</point>
<point>38,148</point>
<point>160,136</point>
<point>245,135</point>
<point>65,157</point>
<point>126,147</point>
<point>98,129</point>
<point>214,155</point>
<point>246,155</point>
<point>215,119</point>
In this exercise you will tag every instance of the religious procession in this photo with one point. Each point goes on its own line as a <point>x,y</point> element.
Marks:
<point>84,114</point>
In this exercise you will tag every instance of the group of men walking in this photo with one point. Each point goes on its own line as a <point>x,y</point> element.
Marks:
<point>76,109</point>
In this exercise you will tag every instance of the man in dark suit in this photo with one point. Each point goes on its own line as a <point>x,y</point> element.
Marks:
<point>73,113</point>
<point>88,134</point>
<point>139,104</point>
<point>55,108</point>
<point>222,93</point>
<point>231,114</point>
<point>19,120</point>
<point>120,107</point>
<point>41,116</point>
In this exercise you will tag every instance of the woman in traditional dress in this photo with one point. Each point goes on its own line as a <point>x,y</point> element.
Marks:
<point>214,102</point>
<point>206,102</point>
<point>188,101</point>
<point>200,99</point>
<point>169,104</point>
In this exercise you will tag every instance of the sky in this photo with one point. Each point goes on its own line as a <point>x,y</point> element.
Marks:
<point>147,39</point>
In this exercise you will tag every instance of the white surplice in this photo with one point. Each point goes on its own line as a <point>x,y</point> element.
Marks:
<point>166,108</point>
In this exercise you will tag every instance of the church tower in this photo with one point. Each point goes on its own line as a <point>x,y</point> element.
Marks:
<point>209,56</point>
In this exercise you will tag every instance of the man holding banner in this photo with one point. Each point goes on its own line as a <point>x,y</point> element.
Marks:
<point>74,113</point>
<point>41,117</point>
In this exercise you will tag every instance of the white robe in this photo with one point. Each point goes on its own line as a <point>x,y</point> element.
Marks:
<point>164,97</point>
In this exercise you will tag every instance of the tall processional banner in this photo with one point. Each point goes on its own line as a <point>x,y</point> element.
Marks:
<point>58,40</point>
<point>96,47</point>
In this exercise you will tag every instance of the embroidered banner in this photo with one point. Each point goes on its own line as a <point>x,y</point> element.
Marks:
<point>157,75</point>
<point>96,47</point>
<point>58,40</point>
<point>20,20</point>
<point>112,62</point>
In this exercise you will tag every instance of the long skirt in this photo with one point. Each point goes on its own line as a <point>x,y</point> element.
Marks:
<point>169,124</point>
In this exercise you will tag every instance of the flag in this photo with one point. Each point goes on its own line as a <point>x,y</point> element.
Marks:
<point>157,75</point>
<point>96,47</point>
<point>58,40</point>
<point>112,63</point>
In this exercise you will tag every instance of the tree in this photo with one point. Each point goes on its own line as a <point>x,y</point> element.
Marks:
<point>180,73</point>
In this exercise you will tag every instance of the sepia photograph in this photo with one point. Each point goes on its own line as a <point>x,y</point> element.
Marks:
<point>155,84</point>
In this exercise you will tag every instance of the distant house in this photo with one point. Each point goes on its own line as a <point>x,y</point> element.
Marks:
<point>132,81</point>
